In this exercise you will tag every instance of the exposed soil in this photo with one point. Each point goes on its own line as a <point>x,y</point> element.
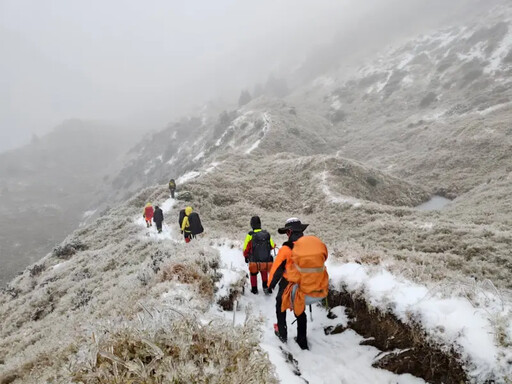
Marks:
<point>409,350</point>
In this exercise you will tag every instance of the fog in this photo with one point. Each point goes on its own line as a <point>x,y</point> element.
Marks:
<point>145,63</point>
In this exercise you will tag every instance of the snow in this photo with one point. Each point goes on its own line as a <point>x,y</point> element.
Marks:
<point>453,321</point>
<point>253,147</point>
<point>338,199</point>
<point>199,156</point>
<point>495,108</point>
<point>212,166</point>
<point>266,127</point>
<point>331,358</point>
<point>336,103</point>
<point>498,55</point>
<point>476,52</point>
<point>380,86</point>
<point>405,60</point>
<point>187,176</point>
<point>89,213</point>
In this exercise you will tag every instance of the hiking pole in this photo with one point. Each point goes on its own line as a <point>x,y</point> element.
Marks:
<point>311,312</point>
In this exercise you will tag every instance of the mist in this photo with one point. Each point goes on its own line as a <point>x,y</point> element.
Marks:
<point>143,64</point>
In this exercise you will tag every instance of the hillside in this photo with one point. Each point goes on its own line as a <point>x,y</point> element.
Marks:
<point>415,295</point>
<point>47,186</point>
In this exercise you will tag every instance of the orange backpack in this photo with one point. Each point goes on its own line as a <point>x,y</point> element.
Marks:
<point>308,270</point>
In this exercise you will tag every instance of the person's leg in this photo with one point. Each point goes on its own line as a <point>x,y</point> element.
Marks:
<point>147,223</point>
<point>254,282</point>
<point>281,316</point>
<point>264,278</point>
<point>302,327</point>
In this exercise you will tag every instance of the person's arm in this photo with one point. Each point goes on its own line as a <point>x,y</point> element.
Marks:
<point>184,224</point>
<point>247,245</point>
<point>278,267</point>
<point>272,244</point>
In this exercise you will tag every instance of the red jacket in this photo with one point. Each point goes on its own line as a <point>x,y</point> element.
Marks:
<point>148,212</point>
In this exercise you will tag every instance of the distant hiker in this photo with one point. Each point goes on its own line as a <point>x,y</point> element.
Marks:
<point>147,214</point>
<point>191,225</point>
<point>257,252</point>
<point>303,280</point>
<point>172,187</point>
<point>158,218</point>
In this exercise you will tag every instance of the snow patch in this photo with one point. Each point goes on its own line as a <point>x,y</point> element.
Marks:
<point>187,176</point>
<point>89,213</point>
<point>339,199</point>
<point>453,321</point>
<point>499,54</point>
<point>199,156</point>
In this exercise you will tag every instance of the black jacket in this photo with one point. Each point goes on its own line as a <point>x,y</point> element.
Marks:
<point>158,216</point>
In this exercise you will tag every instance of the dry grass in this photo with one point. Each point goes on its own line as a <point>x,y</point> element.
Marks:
<point>172,349</point>
<point>188,274</point>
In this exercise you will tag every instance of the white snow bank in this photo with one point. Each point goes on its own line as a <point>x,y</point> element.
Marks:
<point>452,321</point>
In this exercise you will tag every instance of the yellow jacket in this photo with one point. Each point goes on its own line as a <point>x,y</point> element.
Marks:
<point>185,224</point>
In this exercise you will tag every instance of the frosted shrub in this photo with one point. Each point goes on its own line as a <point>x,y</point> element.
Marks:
<point>174,349</point>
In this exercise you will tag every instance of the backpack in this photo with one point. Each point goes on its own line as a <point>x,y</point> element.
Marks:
<point>172,184</point>
<point>195,226</point>
<point>261,248</point>
<point>181,217</point>
<point>307,269</point>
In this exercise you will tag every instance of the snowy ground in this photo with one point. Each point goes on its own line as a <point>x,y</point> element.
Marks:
<point>331,359</point>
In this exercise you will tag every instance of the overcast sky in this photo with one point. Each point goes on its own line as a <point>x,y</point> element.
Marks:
<point>148,62</point>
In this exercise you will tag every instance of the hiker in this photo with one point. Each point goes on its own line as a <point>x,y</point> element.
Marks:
<point>191,225</point>
<point>257,247</point>
<point>158,218</point>
<point>303,280</point>
<point>147,214</point>
<point>172,187</point>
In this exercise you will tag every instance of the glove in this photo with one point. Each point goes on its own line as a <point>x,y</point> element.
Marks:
<point>246,260</point>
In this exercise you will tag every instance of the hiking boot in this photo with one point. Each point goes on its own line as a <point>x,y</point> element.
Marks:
<point>303,344</point>
<point>281,337</point>
<point>266,291</point>
<point>254,290</point>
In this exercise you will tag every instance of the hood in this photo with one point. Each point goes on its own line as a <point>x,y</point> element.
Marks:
<point>188,211</point>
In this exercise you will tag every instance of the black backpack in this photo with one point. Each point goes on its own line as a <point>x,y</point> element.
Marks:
<point>261,247</point>
<point>181,217</point>
<point>195,226</point>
